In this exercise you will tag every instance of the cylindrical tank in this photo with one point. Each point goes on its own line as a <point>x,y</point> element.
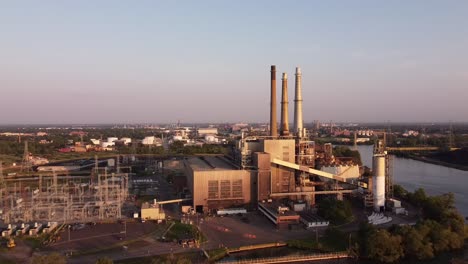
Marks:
<point>378,181</point>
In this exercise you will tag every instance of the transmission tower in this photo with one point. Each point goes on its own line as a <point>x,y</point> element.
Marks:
<point>26,163</point>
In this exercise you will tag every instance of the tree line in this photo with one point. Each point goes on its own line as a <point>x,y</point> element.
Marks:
<point>441,228</point>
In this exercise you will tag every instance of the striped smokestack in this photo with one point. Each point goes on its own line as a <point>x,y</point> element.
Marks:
<point>284,107</point>
<point>298,121</point>
<point>273,123</point>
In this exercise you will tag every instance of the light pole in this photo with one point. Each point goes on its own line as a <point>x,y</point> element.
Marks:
<point>125,229</point>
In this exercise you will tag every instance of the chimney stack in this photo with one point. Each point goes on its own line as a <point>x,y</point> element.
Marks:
<point>298,121</point>
<point>284,107</point>
<point>273,123</point>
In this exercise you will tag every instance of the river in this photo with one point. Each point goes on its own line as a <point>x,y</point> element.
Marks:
<point>435,179</point>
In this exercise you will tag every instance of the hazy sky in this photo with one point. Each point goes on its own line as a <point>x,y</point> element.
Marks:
<point>209,61</point>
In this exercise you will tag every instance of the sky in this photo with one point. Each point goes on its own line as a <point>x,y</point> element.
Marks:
<point>93,62</point>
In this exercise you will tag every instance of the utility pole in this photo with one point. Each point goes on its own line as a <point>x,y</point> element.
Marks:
<point>2,184</point>
<point>450,143</point>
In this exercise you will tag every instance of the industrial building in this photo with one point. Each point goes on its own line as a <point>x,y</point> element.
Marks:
<point>215,182</point>
<point>152,211</point>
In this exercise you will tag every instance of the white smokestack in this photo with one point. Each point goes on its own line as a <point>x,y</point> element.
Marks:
<point>298,122</point>
<point>284,107</point>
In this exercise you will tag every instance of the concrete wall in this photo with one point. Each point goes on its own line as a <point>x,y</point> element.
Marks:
<point>261,161</point>
<point>282,179</point>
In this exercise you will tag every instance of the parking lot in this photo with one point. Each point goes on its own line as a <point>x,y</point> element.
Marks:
<point>251,228</point>
<point>104,235</point>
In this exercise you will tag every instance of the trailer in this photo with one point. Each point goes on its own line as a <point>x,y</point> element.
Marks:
<point>231,211</point>
<point>9,231</point>
<point>23,229</point>
<point>36,229</point>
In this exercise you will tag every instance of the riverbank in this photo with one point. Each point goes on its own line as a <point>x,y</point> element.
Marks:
<point>435,162</point>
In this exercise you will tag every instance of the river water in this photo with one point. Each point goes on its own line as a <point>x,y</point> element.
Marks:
<point>435,179</point>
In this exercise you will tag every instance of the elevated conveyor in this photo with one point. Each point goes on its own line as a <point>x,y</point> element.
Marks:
<point>298,167</point>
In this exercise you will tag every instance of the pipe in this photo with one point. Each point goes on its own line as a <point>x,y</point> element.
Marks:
<point>273,122</point>
<point>284,107</point>
<point>298,121</point>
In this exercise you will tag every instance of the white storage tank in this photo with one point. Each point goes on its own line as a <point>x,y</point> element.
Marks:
<point>378,181</point>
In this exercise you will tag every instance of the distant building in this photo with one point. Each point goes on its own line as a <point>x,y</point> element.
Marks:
<point>126,140</point>
<point>107,144</point>
<point>96,141</point>
<point>211,139</point>
<point>239,126</point>
<point>207,131</point>
<point>78,133</point>
<point>112,139</point>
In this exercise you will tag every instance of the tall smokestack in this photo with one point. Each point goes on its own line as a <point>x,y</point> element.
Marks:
<point>298,125</point>
<point>273,124</point>
<point>284,107</point>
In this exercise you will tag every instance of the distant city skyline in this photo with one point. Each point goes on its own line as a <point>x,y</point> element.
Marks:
<point>92,62</point>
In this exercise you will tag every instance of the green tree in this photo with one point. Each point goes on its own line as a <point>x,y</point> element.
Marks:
<point>343,151</point>
<point>418,197</point>
<point>416,245</point>
<point>53,258</point>
<point>364,232</point>
<point>183,261</point>
<point>399,191</point>
<point>385,247</point>
<point>337,212</point>
<point>104,260</point>
<point>437,207</point>
<point>177,147</point>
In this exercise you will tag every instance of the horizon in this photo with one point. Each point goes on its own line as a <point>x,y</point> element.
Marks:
<point>183,124</point>
<point>208,62</point>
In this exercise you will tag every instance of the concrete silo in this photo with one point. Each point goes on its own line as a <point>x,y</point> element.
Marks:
<point>378,181</point>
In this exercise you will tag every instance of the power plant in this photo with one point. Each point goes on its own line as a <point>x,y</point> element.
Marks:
<point>290,168</point>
